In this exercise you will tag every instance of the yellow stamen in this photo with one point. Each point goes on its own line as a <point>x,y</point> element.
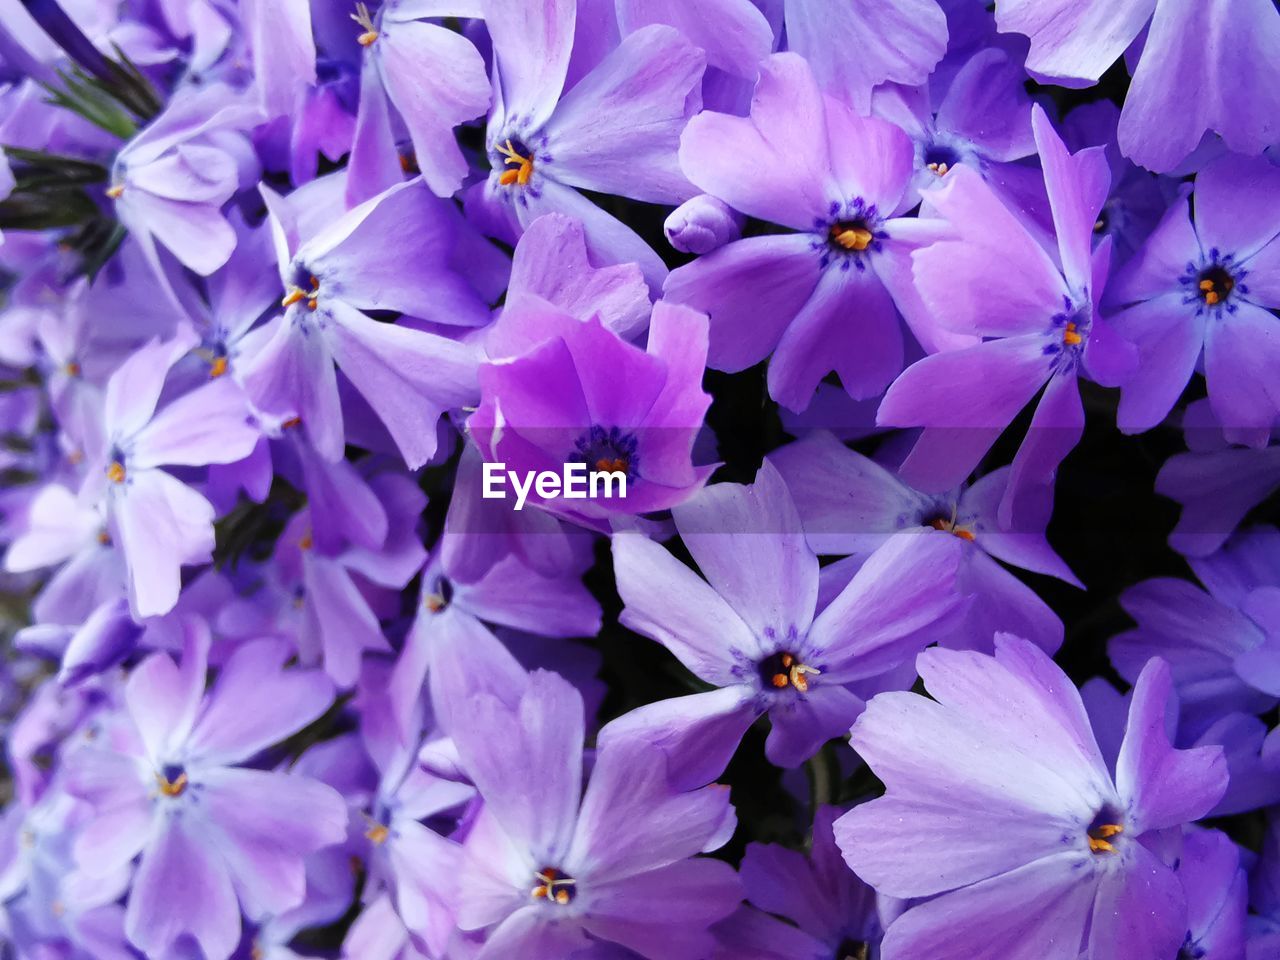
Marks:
<point>1099,837</point>
<point>115,192</point>
<point>217,367</point>
<point>104,538</point>
<point>615,465</point>
<point>797,676</point>
<point>71,368</point>
<point>291,422</point>
<point>950,526</point>
<point>377,834</point>
<point>307,541</point>
<point>852,238</point>
<point>362,17</point>
<point>297,295</point>
<point>434,602</point>
<point>172,788</point>
<point>1070,337</point>
<point>523,164</point>
<point>940,168</point>
<point>115,472</point>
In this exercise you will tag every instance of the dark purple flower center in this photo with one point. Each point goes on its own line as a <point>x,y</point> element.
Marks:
<point>608,450</point>
<point>784,670</point>
<point>851,233</point>
<point>172,780</point>
<point>1215,284</point>
<point>853,950</point>
<point>940,158</point>
<point>555,886</point>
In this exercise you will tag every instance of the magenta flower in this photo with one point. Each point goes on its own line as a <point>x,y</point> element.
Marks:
<point>614,406</point>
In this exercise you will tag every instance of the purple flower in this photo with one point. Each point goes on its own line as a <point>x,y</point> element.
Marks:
<point>753,628</point>
<point>405,856</point>
<point>1203,284</point>
<point>1223,642</point>
<point>983,120</point>
<point>1216,484</point>
<point>160,523</point>
<point>1216,887</point>
<point>331,281</point>
<point>850,505</point>
<point>549,870</point>
<point>702,224</point>
<point>1074,865</point>
<point>614,406</point>
<point>1264,898</point>
<point>1038,306</point>
<point>614,131</point>
<point>357,540</point>
<point>792,162</point>
<point>835,914</point>
<point>1183,87</point>
<point>166,784</point>
<point>433,78</point>
<point>170,182</point>
<point>897,41</point>
<point>553,261</point>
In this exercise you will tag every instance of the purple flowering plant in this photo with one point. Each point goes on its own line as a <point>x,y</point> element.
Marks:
<point>640,480</point>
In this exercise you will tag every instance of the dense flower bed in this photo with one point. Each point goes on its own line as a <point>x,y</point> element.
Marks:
<point>926,353</point>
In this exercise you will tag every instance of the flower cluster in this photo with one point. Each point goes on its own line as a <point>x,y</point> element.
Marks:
<point>872,649</point>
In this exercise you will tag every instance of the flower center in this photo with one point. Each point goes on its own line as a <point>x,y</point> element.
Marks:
<point>440,597</point>
<point>172,780</point>
<point>608,451</point>
<point>1071,335</point>
<point>784,669</point>
<point>851,234</point>
<point>115,471</point>
<point>297,294</point>
<point>552,885</point>
<point>1215,285</point>
<point>1104,830</point>
<point>940,159</point>
<point>948,524</point>
<point>515,154</point>
<point>364,19</point>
